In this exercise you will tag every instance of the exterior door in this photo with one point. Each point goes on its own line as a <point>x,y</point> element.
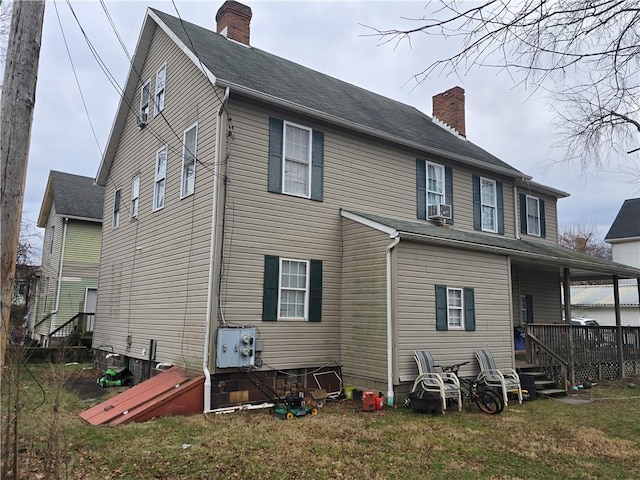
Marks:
<point>90,302</point>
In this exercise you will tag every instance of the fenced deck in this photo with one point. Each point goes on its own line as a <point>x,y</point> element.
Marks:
<point>575,353</point>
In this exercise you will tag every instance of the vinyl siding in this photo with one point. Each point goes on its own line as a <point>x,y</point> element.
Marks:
<point>154,269</point>
<point>72,296</point>
<point>50,266</point>
<point>364,334</point>
<point>544,287</point>
<point>83,242</point>
<point>627,253</point>
<point>420,267</point>
<point>551,217</point>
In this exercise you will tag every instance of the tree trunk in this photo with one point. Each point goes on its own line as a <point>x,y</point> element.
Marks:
<point>16,115</point>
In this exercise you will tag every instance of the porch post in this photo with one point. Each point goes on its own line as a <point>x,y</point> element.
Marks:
<point>567,296</point>
<point>567,320</point>
<point>616,303</point>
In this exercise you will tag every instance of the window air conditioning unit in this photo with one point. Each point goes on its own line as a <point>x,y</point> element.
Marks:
<point>439,211</point>
<point>141,120</point>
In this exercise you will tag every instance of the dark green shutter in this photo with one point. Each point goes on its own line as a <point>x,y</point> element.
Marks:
<point>315,291</point>
<point>543,220</point>
<point>523,213</point>
<point>441,308</point>
<point>270,288</point>
<point>477,208</point>
<point>469,309</point>
<point>500,204</point>
<point>421,189</point>
<point>317,163</point>
<point>448,190</point>
<point>275,154</point>
<point>528,301</point>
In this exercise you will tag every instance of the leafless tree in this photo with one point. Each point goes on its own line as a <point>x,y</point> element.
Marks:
<point>585,54</point>
<point>584,237</point>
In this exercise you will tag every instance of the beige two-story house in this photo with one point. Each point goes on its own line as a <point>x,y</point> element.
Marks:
<point>262,219</point>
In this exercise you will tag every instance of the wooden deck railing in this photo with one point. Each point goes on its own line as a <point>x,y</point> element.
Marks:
<point>588,351</point>
<point>73,331</point>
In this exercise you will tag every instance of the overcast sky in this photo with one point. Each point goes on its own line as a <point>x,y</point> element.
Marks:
<point>326,36</point>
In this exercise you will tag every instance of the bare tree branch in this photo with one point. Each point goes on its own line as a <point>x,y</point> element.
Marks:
<point>585,54</point>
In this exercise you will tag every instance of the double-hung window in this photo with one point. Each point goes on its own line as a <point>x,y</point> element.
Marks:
<point>533,216</point>
<point>160,179</point>
<point>488,205</point>
<point>297,160</point>
<point>145,100</point>
<point>189,160</point>
<point>455,308</point>
<point>161,80</point>
<point>294,289</point>
<point>116,209</point>
<point>135,195</point>
<point>455,311</point>
<point>435,184</point>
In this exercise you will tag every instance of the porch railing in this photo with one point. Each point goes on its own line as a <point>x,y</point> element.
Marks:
<point>589,351</point>
<point>73,331</point>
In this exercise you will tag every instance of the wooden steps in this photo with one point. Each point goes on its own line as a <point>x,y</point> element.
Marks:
<point>545,387</point>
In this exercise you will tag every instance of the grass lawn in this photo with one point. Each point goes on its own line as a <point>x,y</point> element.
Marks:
<point>542,439</point>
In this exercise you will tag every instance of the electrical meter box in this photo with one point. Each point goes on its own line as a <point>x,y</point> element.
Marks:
<point>235,347</point>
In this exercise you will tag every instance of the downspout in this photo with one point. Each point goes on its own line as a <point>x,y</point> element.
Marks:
<point>60,265</point>
<point>391,246</point>
<point>210,280</point>
<point>515,211</point>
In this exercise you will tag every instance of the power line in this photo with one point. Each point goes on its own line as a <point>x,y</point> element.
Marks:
<point>75,75</point>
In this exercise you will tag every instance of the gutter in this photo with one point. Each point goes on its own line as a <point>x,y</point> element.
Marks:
<point>211,280</point>
<point>390,395</point>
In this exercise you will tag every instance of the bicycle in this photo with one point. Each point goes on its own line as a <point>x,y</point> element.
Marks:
<point>486,400</point>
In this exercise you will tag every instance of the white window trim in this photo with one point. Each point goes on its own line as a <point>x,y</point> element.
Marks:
<point>527,197</point>
<point>135,196</point>
<point>116,213</point>
<point>461,308</point>
<point>184,152</point>
<point>145,85</point>
<point>494,206</point>
<point>157,110</point>
<point>284,158</point>
<point>444,182</point>
<point>306,294</point>
<point>158,179</point>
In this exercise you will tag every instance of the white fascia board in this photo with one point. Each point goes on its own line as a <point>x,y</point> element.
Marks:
<point>622,240</point>
<point>392,232</point>
<point>242,90</point>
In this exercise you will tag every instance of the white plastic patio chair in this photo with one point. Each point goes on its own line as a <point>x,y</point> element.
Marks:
<point>506,379</point>
<point>446,385</point>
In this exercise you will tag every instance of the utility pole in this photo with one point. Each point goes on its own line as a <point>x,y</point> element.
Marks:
<point>16,116</point>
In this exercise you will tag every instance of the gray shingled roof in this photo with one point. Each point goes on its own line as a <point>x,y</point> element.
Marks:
<point>250,68</point>
<point>627,222</point>
<point>76,196</point>
<point>517,248</point>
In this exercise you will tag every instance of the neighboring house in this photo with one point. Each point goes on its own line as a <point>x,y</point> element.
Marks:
<point>259,213</point>
<point>597,302</point>
<point>24,293</point>
<point>624,234</point>
<point>71,215</point>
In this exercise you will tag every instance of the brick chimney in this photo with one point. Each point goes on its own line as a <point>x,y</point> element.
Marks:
<point>448,107</point>
<point>233,19</point>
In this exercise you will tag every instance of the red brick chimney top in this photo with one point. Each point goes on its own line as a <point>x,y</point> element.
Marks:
<point>233,19</point>
<point>448,107</point>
